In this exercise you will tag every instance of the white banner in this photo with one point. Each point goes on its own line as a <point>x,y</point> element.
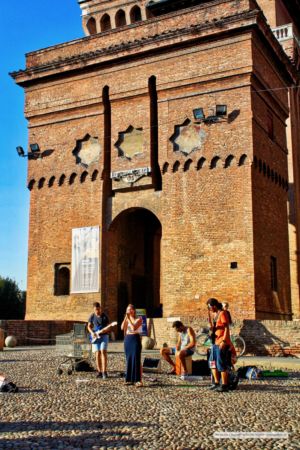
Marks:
<point>85,260</point>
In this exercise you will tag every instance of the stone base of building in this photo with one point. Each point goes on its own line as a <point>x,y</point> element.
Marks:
<point>262,337</point>
<point>36,332</point>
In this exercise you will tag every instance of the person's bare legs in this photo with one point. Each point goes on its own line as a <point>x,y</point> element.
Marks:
<point>224,377</point>
<point>165,353</point>
<point>216,375</point>
<point>98,361</point>
<point>104,360</point>
<point>182,356</point>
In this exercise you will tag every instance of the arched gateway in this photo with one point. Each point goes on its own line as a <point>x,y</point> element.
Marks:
<point>134,262</point>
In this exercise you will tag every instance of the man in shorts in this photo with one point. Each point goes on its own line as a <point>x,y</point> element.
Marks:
<point>185,347</point>
<point>96,322</point>
<point>220,356</point>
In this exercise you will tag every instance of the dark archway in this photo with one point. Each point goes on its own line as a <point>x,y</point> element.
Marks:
<point>135,14</point>
<point>120,18</point>
<point>62,279</point>
<point>105,23</point>
<point>91,26</point>
<point>134,261</point>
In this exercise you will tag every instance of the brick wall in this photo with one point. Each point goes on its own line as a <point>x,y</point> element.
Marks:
<point>214,208</point>
<point>262,337</point>
<point>35,332</point>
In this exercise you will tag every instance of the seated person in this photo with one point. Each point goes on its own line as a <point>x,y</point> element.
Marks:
<point>185,347</point>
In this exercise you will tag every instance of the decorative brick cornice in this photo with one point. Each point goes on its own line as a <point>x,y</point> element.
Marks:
<point>91,57</point>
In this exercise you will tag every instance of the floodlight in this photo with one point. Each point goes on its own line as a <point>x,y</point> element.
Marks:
<point>221,110</point>
<point>20,151</point>
<point>198,113</point>
<point>34,148</point>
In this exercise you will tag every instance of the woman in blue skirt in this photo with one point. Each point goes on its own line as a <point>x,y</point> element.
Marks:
<point>132,327</point>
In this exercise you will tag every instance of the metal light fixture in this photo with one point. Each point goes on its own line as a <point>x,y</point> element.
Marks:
<point>221,110</point>
<point>34,148</point>
<point>34,153</point>
<point>198,113</point>
<point>20,151</point>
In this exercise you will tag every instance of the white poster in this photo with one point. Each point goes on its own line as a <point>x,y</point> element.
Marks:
<point>85,260</point>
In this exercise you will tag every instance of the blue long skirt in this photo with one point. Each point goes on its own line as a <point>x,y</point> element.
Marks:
<point>133,349</point>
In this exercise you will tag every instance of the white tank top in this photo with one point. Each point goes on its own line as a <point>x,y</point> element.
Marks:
<point>130,329</point>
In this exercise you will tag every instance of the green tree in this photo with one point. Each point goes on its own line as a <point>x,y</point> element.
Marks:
<point>12,300</point>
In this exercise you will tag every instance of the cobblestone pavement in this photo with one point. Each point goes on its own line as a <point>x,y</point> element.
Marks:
<point>79,411</point>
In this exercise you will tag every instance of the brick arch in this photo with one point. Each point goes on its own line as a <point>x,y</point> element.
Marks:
<point>72,178</point>
<point>135,14</point>
<point>229,161</point>
<point>272,175</point>
<point>133,242</point>
<point>201,162</point>
<point>41,182</point>
<point>31,184</point>
<point>105,22</point>
<point>51,181</point>
<point>91,26</point>
<point>176,166</point>
<point>133,205</point>
<point>187,165</point>
<point>83,176</point>
<point>120,18</point>
<point>264,169</point>
<point>95,175</point>
<point>214,162</point>
<point>61,179</point>
<point>165,167</point>
<point>243,159</point>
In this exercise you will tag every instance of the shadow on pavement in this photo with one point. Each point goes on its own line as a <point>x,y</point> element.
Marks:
<point>93,434</point>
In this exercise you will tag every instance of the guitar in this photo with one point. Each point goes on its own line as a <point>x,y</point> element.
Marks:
<point>98,332</point>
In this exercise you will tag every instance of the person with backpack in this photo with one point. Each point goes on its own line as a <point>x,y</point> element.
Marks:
<point>220,357</point>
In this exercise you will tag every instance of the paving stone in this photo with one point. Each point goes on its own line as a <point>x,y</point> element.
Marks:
<point>51,412</point>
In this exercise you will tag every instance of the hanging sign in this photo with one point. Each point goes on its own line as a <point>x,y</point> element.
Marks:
<point>143,314</point>
<point>85,260</point>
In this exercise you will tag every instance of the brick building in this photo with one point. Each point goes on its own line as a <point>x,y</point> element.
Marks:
<point>173,127</point>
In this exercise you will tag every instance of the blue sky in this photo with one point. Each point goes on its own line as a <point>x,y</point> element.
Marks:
<point>26,25</point>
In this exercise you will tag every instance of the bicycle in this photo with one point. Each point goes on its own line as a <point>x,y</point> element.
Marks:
<point>203,343</point>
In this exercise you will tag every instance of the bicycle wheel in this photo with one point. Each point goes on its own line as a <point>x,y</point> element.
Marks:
<point>239,345</point>
<point>203,343</point>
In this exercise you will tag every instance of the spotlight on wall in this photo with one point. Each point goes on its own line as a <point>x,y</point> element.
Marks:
<point>34,148</point>
<point>20,151</point>
<point>221,110</point>
<point>198,114</point>
<point>34,153</point>
<point>218,113</point>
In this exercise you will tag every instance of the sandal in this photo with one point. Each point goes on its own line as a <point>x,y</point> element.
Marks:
<point>138,384</point>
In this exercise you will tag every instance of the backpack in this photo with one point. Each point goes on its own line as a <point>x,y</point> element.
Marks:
<point>200,367</point>
<point>233,380</point>
<point>249,372</point>
<point>8,386</point>
<point>83,366</point>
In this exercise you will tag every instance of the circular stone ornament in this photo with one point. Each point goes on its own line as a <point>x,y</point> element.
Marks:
<point>147,343</point>
<point>11,341</point>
